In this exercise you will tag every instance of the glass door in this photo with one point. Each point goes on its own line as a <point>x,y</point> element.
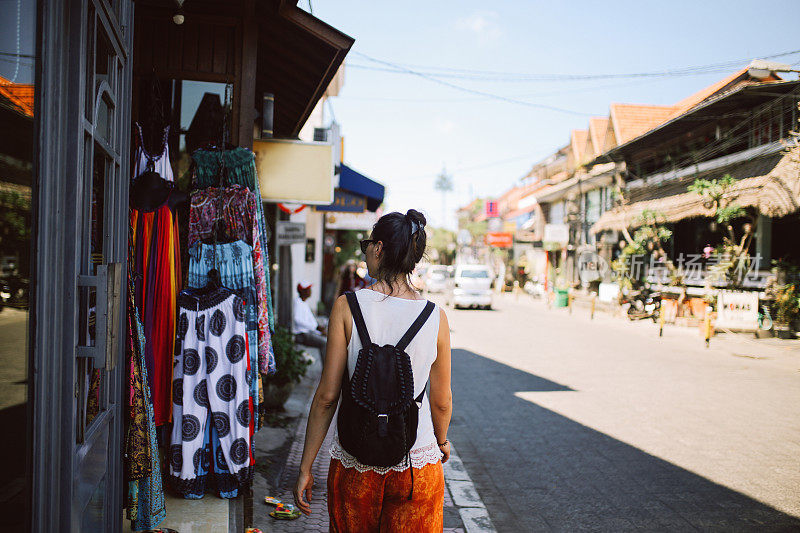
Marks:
<point>102,253</point>
<point>17,190</point>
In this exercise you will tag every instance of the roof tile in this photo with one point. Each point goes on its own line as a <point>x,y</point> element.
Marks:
<point>19,94</point>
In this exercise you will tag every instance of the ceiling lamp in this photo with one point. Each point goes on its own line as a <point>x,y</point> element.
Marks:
<point>178,17</point>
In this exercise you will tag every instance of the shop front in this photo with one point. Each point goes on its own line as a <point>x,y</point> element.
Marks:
<point>114,116</point>
<point>349,218</point>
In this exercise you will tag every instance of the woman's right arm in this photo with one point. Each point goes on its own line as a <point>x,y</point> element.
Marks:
<point>441,396</point>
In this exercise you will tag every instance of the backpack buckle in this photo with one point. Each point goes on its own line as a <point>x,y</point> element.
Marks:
<point>383,425</point>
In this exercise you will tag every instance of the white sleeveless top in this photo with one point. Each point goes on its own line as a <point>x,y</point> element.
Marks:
<point>160,162</point>
<point>387,319</point>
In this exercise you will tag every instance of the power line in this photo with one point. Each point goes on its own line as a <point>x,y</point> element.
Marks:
<point>474,91</point>
<point>478,166</point>
<point>554,78</point>
<point>477,99</point>
<point>490,75</point>
<point>16,67</point>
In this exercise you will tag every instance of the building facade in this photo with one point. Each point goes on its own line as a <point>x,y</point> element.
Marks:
<point>82,75</point>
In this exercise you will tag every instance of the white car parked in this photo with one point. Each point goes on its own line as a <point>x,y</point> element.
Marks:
<point>436,278</point>
<point>471,287</point>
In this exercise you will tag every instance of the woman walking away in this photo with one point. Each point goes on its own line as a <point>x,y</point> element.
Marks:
<point>385,344</point>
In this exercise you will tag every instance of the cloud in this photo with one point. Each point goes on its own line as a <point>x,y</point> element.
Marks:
<point>483,24</point>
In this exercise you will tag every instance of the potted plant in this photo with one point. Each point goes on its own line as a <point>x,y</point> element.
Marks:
<point>786,310</point>
<point>291,367</point>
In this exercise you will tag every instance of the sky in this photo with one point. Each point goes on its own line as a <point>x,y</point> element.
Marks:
<point>403,129</point>
<point>17,32</point>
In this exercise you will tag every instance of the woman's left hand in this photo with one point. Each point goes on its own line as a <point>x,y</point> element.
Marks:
<point>302,492</point>
<point>445,452</point>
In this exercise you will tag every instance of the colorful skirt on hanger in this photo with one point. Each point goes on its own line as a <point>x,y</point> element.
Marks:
<point>157,280</point>
<point>240,168</point>
<point>235,207</point>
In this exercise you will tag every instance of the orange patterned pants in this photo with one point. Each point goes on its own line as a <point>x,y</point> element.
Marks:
<point>370,502</point>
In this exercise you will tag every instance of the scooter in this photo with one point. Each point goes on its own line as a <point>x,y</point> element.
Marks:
<point>643,304</point>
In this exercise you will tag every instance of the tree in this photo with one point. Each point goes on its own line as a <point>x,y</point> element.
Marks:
<point>467,220</point>
<point>647,240</point>
<point>444,184</point>
<point>734,251</point>
<point>444,242</point>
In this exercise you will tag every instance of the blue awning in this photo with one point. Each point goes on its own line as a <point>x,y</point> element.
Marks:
<point>357,183</point>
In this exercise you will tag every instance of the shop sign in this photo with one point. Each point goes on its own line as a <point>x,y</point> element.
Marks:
<point>295,171</point>
<point>344,202</point>
<point>500,239</point>
<point>737,310</point>
<point>495,225</point>
<point>509,226</point>
<point>492,209</point>
<point>556,233</point>
<point>353,221</point>
<point>290,232</point>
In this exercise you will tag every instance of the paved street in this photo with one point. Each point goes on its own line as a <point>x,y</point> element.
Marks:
<point>565,423</point>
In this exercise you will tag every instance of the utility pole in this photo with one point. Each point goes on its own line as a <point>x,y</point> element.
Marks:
<point>444,184</point>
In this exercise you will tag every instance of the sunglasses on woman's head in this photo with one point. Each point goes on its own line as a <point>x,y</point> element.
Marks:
<point>364,243</point>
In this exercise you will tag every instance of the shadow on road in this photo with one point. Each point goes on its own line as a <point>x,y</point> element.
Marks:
<point>537,470</point>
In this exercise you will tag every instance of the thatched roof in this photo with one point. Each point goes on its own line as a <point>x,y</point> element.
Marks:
<point>770,184</point>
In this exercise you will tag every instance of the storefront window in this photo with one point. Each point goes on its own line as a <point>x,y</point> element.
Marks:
<point>195,112</point>
<point>17,190</point>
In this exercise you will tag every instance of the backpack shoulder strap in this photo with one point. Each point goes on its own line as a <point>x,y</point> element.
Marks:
<point>361,326</point>
<point>415,327</point>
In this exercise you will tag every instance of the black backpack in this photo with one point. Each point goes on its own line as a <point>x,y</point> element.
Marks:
<point>378,414</point>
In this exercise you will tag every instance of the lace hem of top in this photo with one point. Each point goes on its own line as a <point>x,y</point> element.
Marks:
<point>420,457</point>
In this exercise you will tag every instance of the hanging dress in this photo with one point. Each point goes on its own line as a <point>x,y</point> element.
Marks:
<point>157,280</point>
<point>145,494</point>
<point>240,166</point>
<point>158,163</point>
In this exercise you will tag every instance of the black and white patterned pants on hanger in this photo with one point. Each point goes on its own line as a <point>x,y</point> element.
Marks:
<point>211,386</point>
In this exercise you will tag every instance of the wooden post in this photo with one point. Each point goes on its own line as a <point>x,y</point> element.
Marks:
<point>569,302</point>
<point>247,76</point>
<point>594,299</point>
<point>708,326</point>
<point>661,320</point>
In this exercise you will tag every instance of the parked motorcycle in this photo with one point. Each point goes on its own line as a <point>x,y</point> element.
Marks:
<point>643,304</point>
<point>5,293</point>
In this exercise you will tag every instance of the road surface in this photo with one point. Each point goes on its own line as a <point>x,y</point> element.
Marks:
<point>567,424</point>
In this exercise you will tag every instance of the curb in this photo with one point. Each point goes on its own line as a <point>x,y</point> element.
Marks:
<point>465,497</point>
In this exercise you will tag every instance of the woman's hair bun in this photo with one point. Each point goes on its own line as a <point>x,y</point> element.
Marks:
<point>416,216</point>
<point>404,240</point>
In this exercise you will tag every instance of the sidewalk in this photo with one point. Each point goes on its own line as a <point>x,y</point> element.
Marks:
<point>278,452</point>
<point>774,351</point>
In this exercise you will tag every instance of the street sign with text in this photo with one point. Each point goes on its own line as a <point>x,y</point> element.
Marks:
<point>737,310</point>
<point>500,239</point>
<point>290,232</point>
